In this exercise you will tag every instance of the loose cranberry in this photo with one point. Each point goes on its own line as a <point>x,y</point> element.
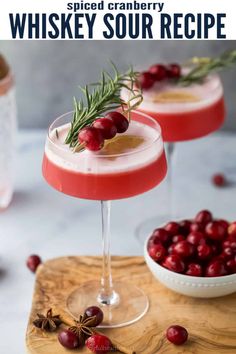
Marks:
<point>178,238</point>
<point>185,227</point>
<point>184,249</point>
<point>106,127</point>
<point>219,180</point>
<point>68,339</point>
<point>91,138</point>
<point>158,71</point>
<point>204,251</point>
<point>172,227</point>
<point>99,344</point>
<point>215,231</point>
<point>216,269</point>
<point>196,226</point>
<point>231,265</point>
<point>120,121</point>
<point>232,229</point>
<point>95,311</point>
<point>228,253</point>
<point>146,80</point>
<point>33,262</point>
<point>174,71</point>
<point>204,217</point>
<point>194,270</point>
<point>157,252</point>
<point>177,334</point>
<point>161,235</point>
<point>174,262</point>
<point>196,238</point>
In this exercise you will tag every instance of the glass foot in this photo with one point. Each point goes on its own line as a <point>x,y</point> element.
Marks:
<point>132,303</point>
<point>144,230</point>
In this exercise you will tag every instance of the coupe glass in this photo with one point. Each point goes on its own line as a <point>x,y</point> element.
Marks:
<point>107,176</point>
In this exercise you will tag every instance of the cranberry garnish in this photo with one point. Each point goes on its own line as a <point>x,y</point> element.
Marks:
<point>161,235</point>
<point>172,227</point>
<point>174,262</point>
<point>120,121</point>
<point>146,80</point>
<point>158,71</point>
<point>203,217</point>
<point>185,227</point>
<point>95,311</point>
<point>178,238</point>
<point>33,262</point>
<point>204,251</point>
<point>196,238</point>
<point>194,270</point>
<point>92,138</point>
<point>157,252</point>
<point>216,269</point>
<point>231,265</point>
<point>219,180</point>
<point>68,339</point>
<point>184,249</point>
<point>177,334</point>
<point>232,229</point>
<point>106,127</point>
<point>99,344</point>
<point>174,71</point>
<point>215,231</point>
<point>196,226</point>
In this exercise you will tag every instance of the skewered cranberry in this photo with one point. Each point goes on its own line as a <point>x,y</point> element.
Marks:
<point>158,71</point>
<point>33,262</point>
<point>216,269</point>
<point>120,121</point>
<point>106,127</point>
<point>146,80</point>
<point>203,217</point>
<point>174,262</point>
<point>219,180</point>
<point>172,227</point>
<point>91,138</point>
<point>184,249</point>
<point>177,334</point>
<point>174,71</point>
<point>194,270</point>
<point>68,339</point>
<point>99,344</point>
<point>232,229</point>
<point>177,238</point>
<point>196,238</point>
<point>215,231</point>
<point>157,252</point>
<point>161,235</point>
<point>204,251</point>
<point>94,311</point>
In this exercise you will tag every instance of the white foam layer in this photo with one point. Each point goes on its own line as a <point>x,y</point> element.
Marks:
<point>89,162</point>
<point>206,93</point>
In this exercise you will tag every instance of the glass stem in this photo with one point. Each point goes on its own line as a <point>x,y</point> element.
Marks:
<point>170,152</point>
<point>107,295</point>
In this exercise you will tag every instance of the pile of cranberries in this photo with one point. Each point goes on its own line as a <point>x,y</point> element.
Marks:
<point>202,247</point>
<point>93,137</point>
<point>158,72</point>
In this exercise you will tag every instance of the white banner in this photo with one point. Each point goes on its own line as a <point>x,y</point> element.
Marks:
<point>117,20</point>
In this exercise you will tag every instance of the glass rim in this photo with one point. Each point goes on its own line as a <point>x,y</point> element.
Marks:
<point>94,153</point>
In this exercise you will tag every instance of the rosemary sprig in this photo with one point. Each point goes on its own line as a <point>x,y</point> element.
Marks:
<point>100,98</point>
<point>205,66</point>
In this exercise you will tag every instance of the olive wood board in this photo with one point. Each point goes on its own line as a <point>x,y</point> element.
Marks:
<point>211,322</point>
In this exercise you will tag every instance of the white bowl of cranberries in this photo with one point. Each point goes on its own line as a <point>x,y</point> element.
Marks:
<point>194,257</point>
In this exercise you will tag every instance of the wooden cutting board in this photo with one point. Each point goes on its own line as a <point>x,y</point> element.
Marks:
<point>211,323</point>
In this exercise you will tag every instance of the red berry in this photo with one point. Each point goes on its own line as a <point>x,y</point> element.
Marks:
<point>194,270</point>
<point>203,217</point>
<point>196,238</point>
<point>228,253</point>
<point>172,227</point>
<point>33,262</point>
<point>196,226</point>
<point>157,252</point>
<point>204,252</point>
<point>158,71</point>
<point>219,180</point>
<point>215,231</point>
<point>120,121</point>
<point>146,80</point>
<point>184,249</point>
<point>161,235</point>
<point>171,249</point>
<point>174,262</point>
<point>232,229</point>
<point>231,265</point>
<point>174,71</point>
<point>216,269</point>
<point>178,238</point>
<point>106,127</point>
<point>230,242</point>
<point>224,223</point>
<point>99,344</point>
<point>68,339</point>
<point>177,334</point>
<point>92,138</point>
<point>95,311</point>
<point>185,227</point>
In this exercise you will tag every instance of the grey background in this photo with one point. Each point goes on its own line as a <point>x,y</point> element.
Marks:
<point>48,72</point>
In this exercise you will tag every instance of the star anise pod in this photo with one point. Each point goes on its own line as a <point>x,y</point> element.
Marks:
<point>84,327</point>
<point>48,323</point>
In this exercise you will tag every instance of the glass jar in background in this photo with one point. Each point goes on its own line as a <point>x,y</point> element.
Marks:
<point>7,132</point>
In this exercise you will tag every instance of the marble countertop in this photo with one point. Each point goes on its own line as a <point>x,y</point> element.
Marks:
<point>43,221</point>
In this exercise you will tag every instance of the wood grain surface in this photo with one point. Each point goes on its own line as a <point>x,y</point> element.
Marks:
<point>211,323</point>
